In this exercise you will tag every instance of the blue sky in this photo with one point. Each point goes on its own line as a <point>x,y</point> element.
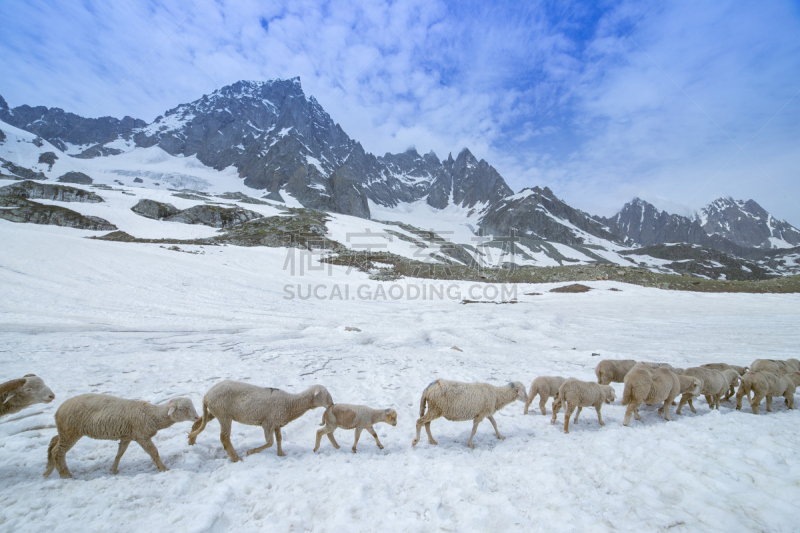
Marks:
<point>677,102</point>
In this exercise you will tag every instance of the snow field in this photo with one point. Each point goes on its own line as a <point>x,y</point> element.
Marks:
<point>140,321</point>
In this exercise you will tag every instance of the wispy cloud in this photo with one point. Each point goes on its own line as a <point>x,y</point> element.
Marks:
<point>600,101</point>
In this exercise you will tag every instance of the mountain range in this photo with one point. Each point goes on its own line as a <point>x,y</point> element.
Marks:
<point>285,145</point>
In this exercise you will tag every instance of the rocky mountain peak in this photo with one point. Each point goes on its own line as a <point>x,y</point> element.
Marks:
<point>746,224</point>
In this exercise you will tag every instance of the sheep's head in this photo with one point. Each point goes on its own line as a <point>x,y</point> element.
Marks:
<point>611,394</point>
<point>31,391</point>
<point>698,384</point>
<point>391,417</point>
<point>320,397</point>
<point>182,410</point>
<point>519,388</point>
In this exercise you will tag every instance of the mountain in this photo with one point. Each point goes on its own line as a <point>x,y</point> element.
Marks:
<point>279,141</point>
<point>65,130</point>
<point>746,224</point>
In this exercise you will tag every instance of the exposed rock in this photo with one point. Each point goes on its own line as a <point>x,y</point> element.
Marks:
<point>214,216</point>
<point>97,151</point>
<point>36,213</point>
<point>2,136</point>
<point>155,210</point>
<point>241,197</point>
<point>45,191</point>
<point>138,180</point>
<point>575,287</point>
<point>21,172</point>
<point>49,159</point>
<point>76,177</point>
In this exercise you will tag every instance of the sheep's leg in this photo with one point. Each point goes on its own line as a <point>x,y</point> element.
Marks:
<point>628,414</point>
<point>476,421</point>
<point>426,420</point>
<point>543,405</point>
<point>769,404</point>
<point>684,398</point>
<point>268,438</point>
<point>568,413</point>
<point>200,425</point>
<point>790,401</point>
<point>754,403</point>
<point>530,400</point>
<point>123,445</point>
<point>51,463</point>
<point>333,441</point>
<point>327,430</point>
<point>577,414</point>
<point>556,408</point>
<point>599,418</point>
<point>278,439</point>
<point>148,446</point>
<point>355,442</point>
<point>691,405</point>
<point>496,431</point>
<point>372,432</point>
<point>60,450</point>
<point>739,396</point>
<point>225,438</point>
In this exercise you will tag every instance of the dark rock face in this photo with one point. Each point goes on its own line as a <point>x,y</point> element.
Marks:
<point>746,224</point>
<point>155,210</point>
<point>214,216</point>
<point>36,213</point>
<point>48,158</point>
<point>45,191</point>
<point>347,194</point>
<point>704,261</point>
<point>2,136</point>
<point>138,180</point>
<point>642,223</point>
<point>59,127</point>
<point>535,213</point>
<point>468,182</point>
<point>76,177</point>
<point>21,172</point>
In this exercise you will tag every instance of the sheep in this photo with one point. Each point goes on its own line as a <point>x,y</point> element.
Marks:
<point>689,385</point>
<point>713,387</point>
<point>458,401</point>
<point>358,417</point>
<point>613,370</point>
<point>765,384</point>
<point>649,386</point>
<point>106,417</point>
<point>653,366</point>
<point>546,387</point>
<point>732,375</point>
<point>580,394</point>
<point>775,366</point>
<point>795,377</point>
<point>725,366</point>
<point>234,401</point>
<point>17,394</point>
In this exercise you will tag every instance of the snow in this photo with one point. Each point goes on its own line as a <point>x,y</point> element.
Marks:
<point>140,321</point>
<point>779,243</point>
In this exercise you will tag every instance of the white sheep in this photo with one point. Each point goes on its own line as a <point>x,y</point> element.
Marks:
<point>458,401</point>
<point>732,375</point>
<point>689,385</point>
<point>579,394</point>
<point>613,370</point>
<point>775,366</point>
<point>105,417</point>
<point>546,387</point>
<point>358,417</point>
<point>714,385</point>
<point>17,394</point>
<point>765,384</point>
<point>234,401</point>
<point>649,386</point>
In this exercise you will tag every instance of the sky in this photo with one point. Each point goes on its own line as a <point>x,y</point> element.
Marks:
<point>676,102</point>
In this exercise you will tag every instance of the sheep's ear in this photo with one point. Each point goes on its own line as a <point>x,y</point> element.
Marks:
<point>11,395</point>
<point>171,408</point>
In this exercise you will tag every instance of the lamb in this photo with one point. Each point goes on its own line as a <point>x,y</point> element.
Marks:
<point>725,366</point>
<point>580,394</point>
<point>546,387</point>
<point>795,377</point>
<point>714,386</point>
<point>613,370</point>
<point>765,384</point>
<point>233,401</point>
<point>17,394</point>
<point>458,401</point>
<point>358,417</point>
<point>689,385</point>
<point>649,386</point>
<point>653,366</point>
<point>101,416</point>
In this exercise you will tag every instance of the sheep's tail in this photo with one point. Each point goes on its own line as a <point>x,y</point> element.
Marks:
<point>200,425</point>
<point>51,460</point>
<point>325,414</point>
<point>627,393</point>
<point>422,403</point>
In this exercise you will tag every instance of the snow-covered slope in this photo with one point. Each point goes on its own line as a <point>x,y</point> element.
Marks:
<point>141,321</point>
<point>746,224</point>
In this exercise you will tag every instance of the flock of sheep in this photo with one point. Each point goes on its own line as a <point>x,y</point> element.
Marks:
<point>101,416</point>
